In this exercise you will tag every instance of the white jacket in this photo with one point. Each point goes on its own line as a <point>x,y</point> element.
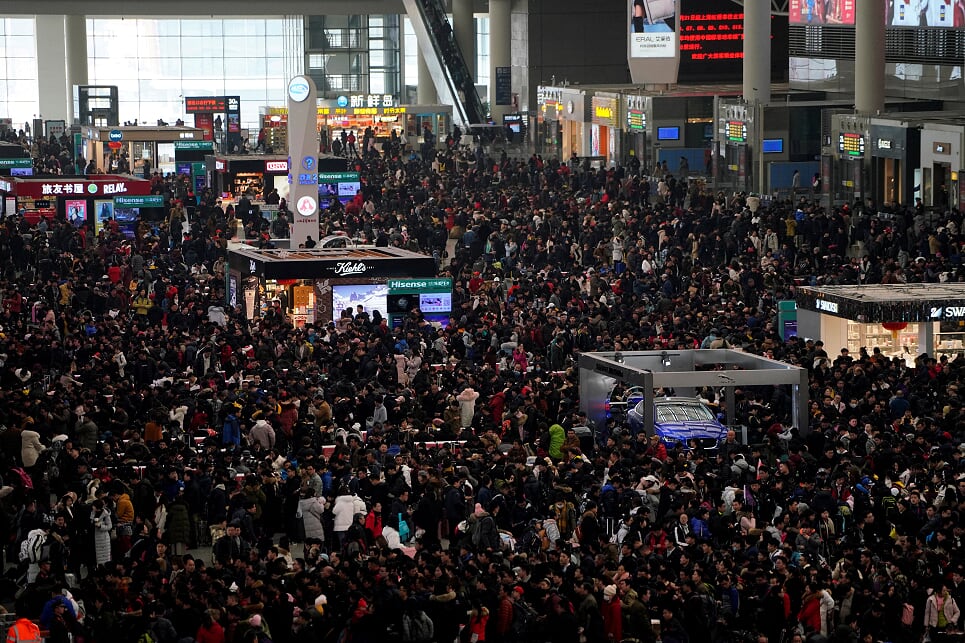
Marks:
<point>30,447</point>
<point>344,510</point>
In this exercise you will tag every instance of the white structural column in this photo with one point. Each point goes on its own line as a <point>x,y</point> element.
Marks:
<point>757,51</point>
<point>464,28</point>
<point>75,40</point>
<point>55,104</point>
<point>869,56</point>
<point>425,87</point>
<point>500,52</point>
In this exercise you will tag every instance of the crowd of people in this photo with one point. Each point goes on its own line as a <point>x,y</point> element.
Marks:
<point>357,482</point>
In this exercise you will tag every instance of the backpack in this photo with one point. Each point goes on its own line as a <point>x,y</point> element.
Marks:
<point>524,619</point>
<point>25,480</point>
<point>907,614</point>
<point>32,548</point>
<point>417,626</point>
<point>708,609</point>
<point>146,637</point>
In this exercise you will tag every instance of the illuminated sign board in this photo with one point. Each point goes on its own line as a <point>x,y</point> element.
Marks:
<point>737,131</point>
<point>636,120</point>
<point>946,312</point>
<point>711,35</point>
<point>6,164</point>
<point>209,104</point>
<point>197,146</point>
<point>147,201</point>
<point>360,111</point>
<point>604,111</point>
<point>48,189</point>
<point>712,42</point>
<point>367,100</point>
<point>338,177</point>
<point>826,306</point>
<point>851,144</point>
<point>276,166</point>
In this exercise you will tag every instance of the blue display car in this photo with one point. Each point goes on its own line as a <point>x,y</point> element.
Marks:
<point>680,421</point>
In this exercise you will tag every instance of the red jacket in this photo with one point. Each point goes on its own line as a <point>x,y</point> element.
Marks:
<point>612,612</point>
<point>213,634</point>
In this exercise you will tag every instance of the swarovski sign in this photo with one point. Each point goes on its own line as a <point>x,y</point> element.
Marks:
<point>946,312</point>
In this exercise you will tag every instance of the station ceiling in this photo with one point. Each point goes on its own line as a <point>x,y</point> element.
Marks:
<point>209,8</point>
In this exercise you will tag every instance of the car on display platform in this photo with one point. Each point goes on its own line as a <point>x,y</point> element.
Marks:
<point>622,400</point>
<point>679,421</point>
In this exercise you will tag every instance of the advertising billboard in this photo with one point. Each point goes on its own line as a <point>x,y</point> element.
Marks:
<point>653,28</point>
<point>653,43</point>
<point>942,14</point>
<point>821,12</point>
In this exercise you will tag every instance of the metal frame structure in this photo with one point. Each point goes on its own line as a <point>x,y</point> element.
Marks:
<point>600,372</point>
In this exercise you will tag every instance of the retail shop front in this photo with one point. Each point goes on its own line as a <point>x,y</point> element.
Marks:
<point>549,130</point>
<point>317,285</point>
<point>189,161</point>
<point>605,126</point>
<point>894,159</point>
<point>356,113</point>
<point>941,159</point>
<point>255,175</point>
<point>81,201</point>
<point>902,320</point>
<point>576,124</point>
<point>148,149</point>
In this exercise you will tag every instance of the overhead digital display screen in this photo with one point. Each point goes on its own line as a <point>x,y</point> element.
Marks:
<point>712,42</point>
<point>821,12</point>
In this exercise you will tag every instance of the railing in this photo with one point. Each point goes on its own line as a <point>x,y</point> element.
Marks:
<point>450,72</point>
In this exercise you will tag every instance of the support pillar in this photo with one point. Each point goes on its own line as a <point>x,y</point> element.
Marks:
<point>425,88</point>
<point>500,52</point>
<point>52,69</point>
<point>75,41</point>
<point>464,28</point>
<point>757,51</point>
<point>869,57</point>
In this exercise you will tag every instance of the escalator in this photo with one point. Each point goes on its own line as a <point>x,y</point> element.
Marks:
<point>450,73</point>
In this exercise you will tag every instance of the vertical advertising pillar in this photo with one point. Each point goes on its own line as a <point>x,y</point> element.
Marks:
<point>500,58</point>
<point>869,57</point>
<point>303,160</point>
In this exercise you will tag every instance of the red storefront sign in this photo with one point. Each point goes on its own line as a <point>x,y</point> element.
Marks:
<point>102,186</point>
